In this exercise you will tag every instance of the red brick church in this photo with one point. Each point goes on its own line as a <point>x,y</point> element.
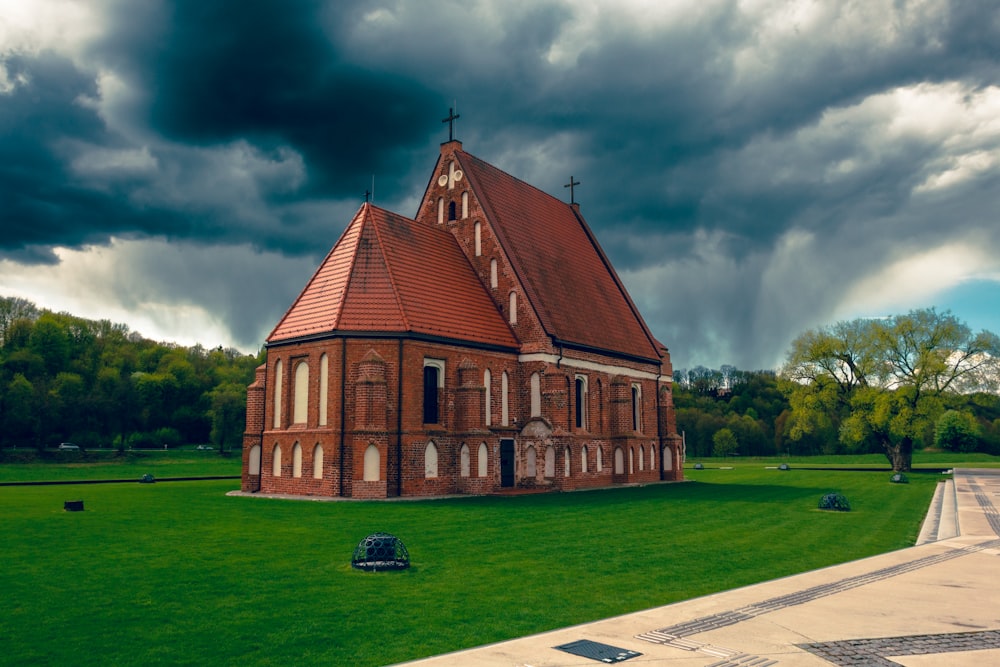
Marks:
<point>485,345</point>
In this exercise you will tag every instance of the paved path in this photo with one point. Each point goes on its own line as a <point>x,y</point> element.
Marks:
<point>937,603</point>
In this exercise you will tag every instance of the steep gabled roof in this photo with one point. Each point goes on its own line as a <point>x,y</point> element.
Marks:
<point>569,281</point>
<point>391,274</point>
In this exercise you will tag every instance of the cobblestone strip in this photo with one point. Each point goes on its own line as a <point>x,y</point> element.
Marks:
<point>728,618</point>
<point>877,651</point>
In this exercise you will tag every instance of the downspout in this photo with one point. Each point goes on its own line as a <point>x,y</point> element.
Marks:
<point>559,360</point>
<point>399,422</point>
<point>343,409</point>
<point>659,424</point>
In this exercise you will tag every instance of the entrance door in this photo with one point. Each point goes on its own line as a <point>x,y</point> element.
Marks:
<point>507,462</point>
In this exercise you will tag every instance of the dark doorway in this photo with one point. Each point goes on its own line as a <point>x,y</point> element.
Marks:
<point>507,463</point>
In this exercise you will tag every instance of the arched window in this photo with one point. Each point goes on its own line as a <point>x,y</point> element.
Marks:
<point>300,396</point>
<point>324,387</point>
<point>642,457</point>
<point>581,401</point>
<point>276,461</point>
<point>536,395</point>
<point>636,408</point>
<point>465,205</point>
<point>254,462</point>
<point>433,383</point>
<point>513,307</point>
<point>652,457</point>
<point>550,461</point>
<point>619,461</point>
<point>478,234</point>
<point>488,382</point>
<point>631,461</point>
<point>451,211</point>
<point>431,460</point>
<point>373,464</point>
<point>278,383</point>
<point>482,459</point>
<point>667,459</point>
<point>297,460</point>
<point>583,459</point>
<point>530,462</point>
<point>493,273</point>
<point>600,459</point>
<point>566,460</point>
<point>464,460</point>
<point>440,210</point>
<point>504,400</point>
<point>318,462</point>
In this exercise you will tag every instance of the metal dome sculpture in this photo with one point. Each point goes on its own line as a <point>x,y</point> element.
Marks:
<point>381,551</point>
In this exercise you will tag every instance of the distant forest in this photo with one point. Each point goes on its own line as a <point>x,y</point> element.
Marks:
<point>96,384</point>
<point>754,406</point>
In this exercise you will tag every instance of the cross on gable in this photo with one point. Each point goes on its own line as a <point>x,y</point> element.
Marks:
<point>452,117</point>
<point>571,185</point>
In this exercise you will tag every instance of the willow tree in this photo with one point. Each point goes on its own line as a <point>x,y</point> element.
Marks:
<point>886,379</point>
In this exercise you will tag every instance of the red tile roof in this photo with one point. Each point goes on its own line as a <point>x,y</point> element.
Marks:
<point>390,274</point>
<point>568,279</point>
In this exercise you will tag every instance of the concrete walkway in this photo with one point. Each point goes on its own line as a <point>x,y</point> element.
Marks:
<point>937,603</point>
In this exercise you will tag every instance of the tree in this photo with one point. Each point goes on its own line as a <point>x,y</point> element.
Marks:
<point>724,443</point>
<point>883,382</point>
<point>957,431</point>
<point>228,413</point>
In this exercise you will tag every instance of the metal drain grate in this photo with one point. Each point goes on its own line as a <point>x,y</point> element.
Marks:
<point>597,651</point>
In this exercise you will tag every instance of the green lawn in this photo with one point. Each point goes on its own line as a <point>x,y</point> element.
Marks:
<point>178,573</point>
<point>108,464</point>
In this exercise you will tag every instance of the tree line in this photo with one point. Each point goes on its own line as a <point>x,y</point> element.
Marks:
<point>96,384</point>
<point>888,385</point>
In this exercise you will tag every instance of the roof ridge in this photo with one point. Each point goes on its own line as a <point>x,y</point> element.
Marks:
<point>388,265</point>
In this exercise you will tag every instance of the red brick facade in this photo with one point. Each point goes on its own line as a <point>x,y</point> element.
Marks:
<point>343,413</point>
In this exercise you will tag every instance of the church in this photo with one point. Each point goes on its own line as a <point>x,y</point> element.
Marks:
<point>484,346</point>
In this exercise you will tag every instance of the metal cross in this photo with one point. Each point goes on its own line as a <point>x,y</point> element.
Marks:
<point>571,186</point>
<point>368,193</point>
<point>452,117</point>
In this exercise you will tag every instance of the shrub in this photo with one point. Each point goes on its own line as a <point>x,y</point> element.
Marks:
<point>834,501</point>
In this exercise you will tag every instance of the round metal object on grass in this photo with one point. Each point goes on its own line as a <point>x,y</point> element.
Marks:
<point>380,551</point>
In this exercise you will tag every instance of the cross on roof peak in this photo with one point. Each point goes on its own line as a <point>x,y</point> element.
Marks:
<point>452,117</point>
<point>572,185</point>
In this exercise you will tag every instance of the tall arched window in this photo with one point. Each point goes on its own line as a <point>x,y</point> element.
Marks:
<point>566,462</point>
<point>464,461</point>
<point>465,205</point>
<point>324,387</point>
<point>580,385</point>
<point>583,459</point>
<point>300,396</point>
<point>652,457</point>
<point>297,460</point>
<point>433,384</point>
<point>550,461</point>
<point>482,459</point>
<point>373,464</point>
<point>600,459</point>
<point>279,382</point>
<point>619,461</point>
<point>504,401</point>
<point>478,234</point>
<point>254,463</point>
<point>276,461</point>
<point>440,210</point>
<point>513,307</point>
<point>488,382</point>
<point>642,457</point>
<point>452,215</point>
<point>637,408</point>
<point>318,462</point>
<point>431,460</point>
<point>493,273</point>
<point>667,459</point>
<point>536,395</point>
<point>530,462</point>
<point>631,461</point>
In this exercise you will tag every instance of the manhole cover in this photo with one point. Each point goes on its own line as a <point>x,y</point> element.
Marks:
<point>598,651</point>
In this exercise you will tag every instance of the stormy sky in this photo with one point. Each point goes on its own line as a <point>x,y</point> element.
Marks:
<point>752,168</point>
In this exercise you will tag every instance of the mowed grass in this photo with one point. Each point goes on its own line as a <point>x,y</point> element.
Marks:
<point>107,464</point>
<point>179,573</point>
